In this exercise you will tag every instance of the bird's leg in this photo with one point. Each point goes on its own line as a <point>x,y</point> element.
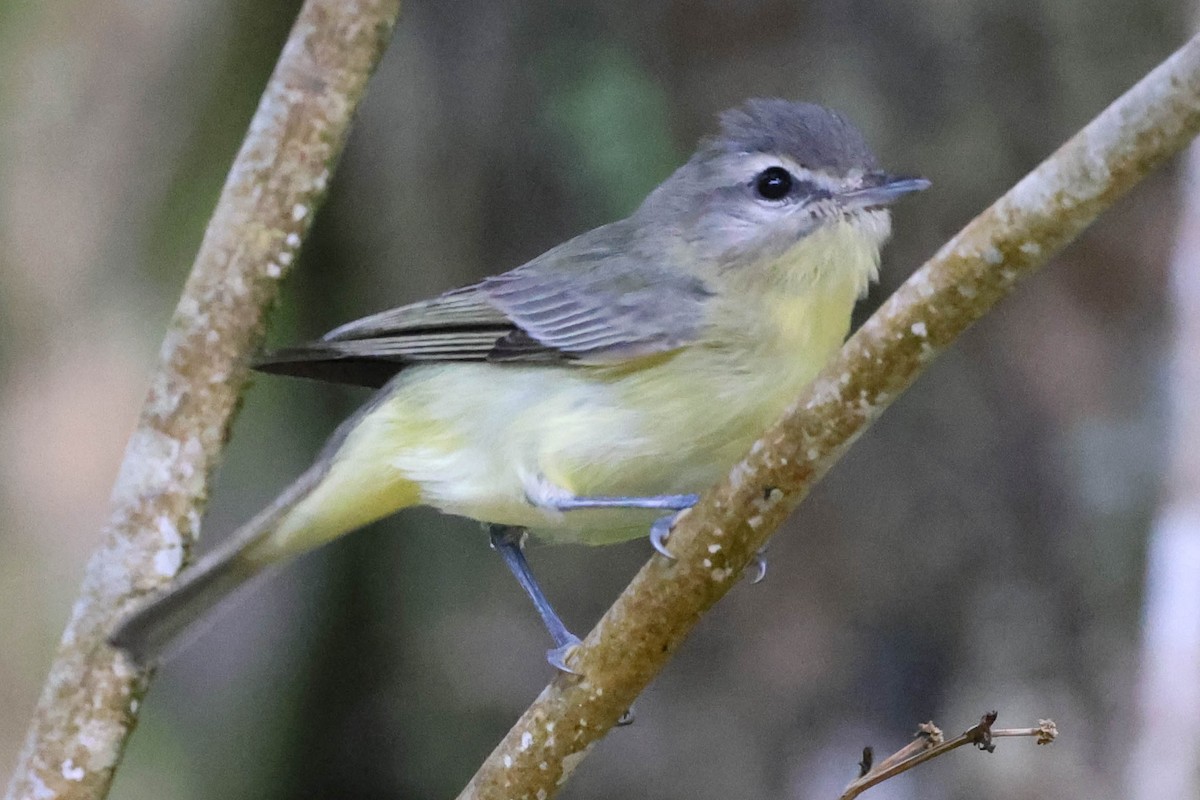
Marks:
<point>659,531</point>
<point>667,502</point>
<point>507,541</point>
<point>544,494</point>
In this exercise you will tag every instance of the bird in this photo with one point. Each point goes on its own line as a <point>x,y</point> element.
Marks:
<point>590,394</point>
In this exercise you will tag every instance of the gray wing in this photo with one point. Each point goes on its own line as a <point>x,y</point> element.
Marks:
<point>576,304</point>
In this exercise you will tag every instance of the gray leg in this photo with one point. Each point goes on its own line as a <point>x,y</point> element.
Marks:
<point>506,541</point>
<point>667,502</point>
<point>658,531</point>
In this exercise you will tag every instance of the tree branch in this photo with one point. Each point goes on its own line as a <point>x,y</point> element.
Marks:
<point>929,744</point>
<point>88,705</point>
<point>715,541</point>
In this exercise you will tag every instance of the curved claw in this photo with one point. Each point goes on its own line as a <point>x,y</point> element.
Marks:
<point>759,565</point>
<point>659,532</point>
<point>627,718</point>
<point>558,656</point>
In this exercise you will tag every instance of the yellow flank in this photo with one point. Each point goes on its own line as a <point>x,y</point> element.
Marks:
<point>495,441</point>
<point>360,487</point>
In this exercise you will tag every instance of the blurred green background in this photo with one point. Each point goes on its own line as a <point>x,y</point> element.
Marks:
<point>982,547</point>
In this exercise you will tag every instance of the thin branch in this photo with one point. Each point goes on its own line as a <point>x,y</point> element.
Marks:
<point>930,744</point>
<point>88,705</point>
<point>716,540</point>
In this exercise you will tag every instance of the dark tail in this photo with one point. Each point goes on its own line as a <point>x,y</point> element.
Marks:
<point>154,626</point>
<point>146,633</point>
<point>151,628</point>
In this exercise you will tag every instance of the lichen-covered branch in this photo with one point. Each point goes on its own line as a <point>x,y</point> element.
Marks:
<point>89,703</point>
<point>716,540</point>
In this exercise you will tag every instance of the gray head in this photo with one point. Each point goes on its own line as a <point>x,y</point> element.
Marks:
<point>812,136</point>
<point>776,172</point>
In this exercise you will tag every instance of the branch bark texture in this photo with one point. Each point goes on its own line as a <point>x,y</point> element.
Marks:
<point>716,540</point>
<point>89,703</point>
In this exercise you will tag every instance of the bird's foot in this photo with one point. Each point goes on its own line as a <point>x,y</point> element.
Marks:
<point>660,531</point>
<point>757,568</point>
<point>558,656</point>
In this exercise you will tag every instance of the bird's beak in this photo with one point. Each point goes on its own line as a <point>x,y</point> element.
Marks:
<point>878,189</point>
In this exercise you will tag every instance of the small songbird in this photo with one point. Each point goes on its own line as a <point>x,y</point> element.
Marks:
<point>585,394</point>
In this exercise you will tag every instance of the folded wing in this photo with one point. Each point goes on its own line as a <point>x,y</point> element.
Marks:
<point>577,304</point>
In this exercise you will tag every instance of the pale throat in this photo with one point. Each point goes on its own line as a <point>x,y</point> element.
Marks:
<point>812,288</point>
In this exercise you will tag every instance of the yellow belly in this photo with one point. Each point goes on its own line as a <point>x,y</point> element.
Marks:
<point>473,438</point>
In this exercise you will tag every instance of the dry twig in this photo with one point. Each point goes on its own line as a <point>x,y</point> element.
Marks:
<point>89,703</point>
<point>716,540</point>
<point>929,744</point>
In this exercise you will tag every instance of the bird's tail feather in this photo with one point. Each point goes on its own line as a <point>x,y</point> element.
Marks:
<point>146,634</point>
<point>351,484</point>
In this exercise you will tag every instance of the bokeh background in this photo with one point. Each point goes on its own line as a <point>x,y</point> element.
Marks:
<point>983,546</point>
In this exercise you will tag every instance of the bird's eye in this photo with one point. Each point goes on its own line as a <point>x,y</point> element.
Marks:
<point>773,183</point>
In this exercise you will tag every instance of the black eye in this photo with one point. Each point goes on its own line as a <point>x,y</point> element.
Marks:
<point>773,183</point>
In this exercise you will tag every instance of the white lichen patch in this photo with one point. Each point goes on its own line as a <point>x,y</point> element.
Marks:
<point>526,741</point>
<point>721,574</point>
<point>707,563</point>
<point>714,548</point>
<point>508,762</point>
<point>40,790</point>
<point>299,212</point>
<point>146,468</point>
<point>992,255</point>
<point>1031,248</point>
<point>292,240</point>
<point>273,269</point>
<point>101,739</point>
<point>919,329</point>
<point>168,562</point>
<point>72,772</point>
<point>236,285</point>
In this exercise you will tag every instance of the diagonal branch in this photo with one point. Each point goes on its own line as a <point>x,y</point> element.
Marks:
<point>716,540</point>
<point>89,703</point>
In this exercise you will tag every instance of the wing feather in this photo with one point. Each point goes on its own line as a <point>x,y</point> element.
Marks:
<point>584,302</point>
